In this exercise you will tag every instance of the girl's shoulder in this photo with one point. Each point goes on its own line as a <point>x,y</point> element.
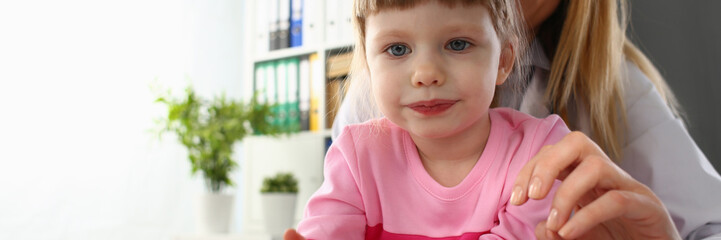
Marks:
<point>518,125</point>
<point>369,128</point>
<point>372,132</point>
<point>517,136</point>
<point>519,121</point>
<point>370,145</point>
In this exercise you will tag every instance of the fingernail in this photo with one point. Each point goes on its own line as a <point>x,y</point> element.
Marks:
<point>566,231</point>
<point>552,222</point>
<point>535,189</point>
<point>549,235</point>
<point>516,195</point>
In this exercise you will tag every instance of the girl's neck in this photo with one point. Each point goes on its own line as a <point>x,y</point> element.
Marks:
<point>449,160</point>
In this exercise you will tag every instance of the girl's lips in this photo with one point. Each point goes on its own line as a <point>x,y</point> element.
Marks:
<point>432,107</point>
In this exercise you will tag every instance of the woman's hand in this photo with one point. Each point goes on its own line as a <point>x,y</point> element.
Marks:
<point>606,202</point>
<point>291,234</point>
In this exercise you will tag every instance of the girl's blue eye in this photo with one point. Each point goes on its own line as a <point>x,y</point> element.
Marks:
<point>398,50</point>
<point>458,45</point>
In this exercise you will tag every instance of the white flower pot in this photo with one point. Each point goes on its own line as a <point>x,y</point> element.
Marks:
<point>278,212</point>
<point>213,213</point>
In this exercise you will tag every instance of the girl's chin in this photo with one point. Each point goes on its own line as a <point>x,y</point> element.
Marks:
<point>440,129</point>
<point>433,133</point>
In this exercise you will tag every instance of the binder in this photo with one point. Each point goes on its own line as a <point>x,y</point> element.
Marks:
<point>304,94</point>
<point>339,65</point>
<point>317,93</point>
<point>296,23</point>
<point>259,88</point>
<point>332,22</point>
<point>293,104</point>
<point>273,24</point>
<point>334,91</point>
<point>345,25</point>
<point>284,24</point>
<point>259,82</point>
<point>271,92</point>
<point>281,76</point>
<point>312,21</point>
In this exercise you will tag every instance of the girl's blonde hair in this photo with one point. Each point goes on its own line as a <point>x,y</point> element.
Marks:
<point>587,67</point>
<point>507,22</point>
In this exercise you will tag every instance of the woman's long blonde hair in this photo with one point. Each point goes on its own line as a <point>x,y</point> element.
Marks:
<point>587,67</point>
<point>507,21</point>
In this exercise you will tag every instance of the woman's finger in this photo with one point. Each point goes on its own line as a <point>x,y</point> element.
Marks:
<point>524,178</point>
<point>291,234</point>
<point>557,161</point>
<point>520,193</point>
<point>613,204</point>
<point>605,198</point>
<point>542,233</point>
<point>594,172</point>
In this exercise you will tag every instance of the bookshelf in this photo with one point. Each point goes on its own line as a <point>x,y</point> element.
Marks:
<point>326,36</point>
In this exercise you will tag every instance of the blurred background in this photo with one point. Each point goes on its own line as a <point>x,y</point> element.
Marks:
<point>683,40</point>
<point>77,156</point>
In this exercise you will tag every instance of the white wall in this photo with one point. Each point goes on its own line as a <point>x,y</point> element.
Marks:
<point>76,158</point>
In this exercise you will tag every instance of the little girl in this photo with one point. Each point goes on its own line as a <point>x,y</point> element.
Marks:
<point>441,163</point>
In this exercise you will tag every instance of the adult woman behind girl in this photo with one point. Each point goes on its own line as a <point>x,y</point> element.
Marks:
<point>604,87</point>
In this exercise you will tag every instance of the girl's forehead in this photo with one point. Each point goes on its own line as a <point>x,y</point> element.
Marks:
<point>391,6</point>
<point>369,7</point>
<point>431,14</point>
<point>429,21</point>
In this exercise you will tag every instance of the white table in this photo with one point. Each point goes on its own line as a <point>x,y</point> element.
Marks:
<point>225,237</point>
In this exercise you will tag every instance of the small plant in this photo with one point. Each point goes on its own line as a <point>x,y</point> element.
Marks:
<point>209,129</point>
<point>281,182</point>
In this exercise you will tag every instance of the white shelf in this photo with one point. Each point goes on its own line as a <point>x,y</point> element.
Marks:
<point>339,46</point>
<point>301,153</point>
<point>300,51</point>
<point>286,53</point>
<point>224,237</point>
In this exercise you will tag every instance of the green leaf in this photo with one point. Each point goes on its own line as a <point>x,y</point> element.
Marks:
<point>208,129</point>
<point>281,182</point>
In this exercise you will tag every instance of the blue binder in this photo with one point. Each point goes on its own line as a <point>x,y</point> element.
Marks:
<point>296,23</point>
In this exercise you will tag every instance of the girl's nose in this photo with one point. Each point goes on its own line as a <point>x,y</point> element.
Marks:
<point>428,74</point>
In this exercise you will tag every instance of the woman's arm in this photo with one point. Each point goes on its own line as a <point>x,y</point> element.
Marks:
<point>606,202</point>
<point>660,161</point>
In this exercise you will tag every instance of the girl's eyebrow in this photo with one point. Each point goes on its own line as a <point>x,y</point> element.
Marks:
<point>391,33</point>
<point>451,28</point>
<point>465,28</point>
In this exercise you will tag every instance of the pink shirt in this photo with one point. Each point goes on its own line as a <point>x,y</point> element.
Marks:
<point>376,187</point>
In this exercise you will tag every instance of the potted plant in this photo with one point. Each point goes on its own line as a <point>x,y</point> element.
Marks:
<point>279,194</point>
<point>209,129</point>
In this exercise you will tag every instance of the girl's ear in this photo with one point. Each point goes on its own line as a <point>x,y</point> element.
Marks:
<point>505,63</point>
